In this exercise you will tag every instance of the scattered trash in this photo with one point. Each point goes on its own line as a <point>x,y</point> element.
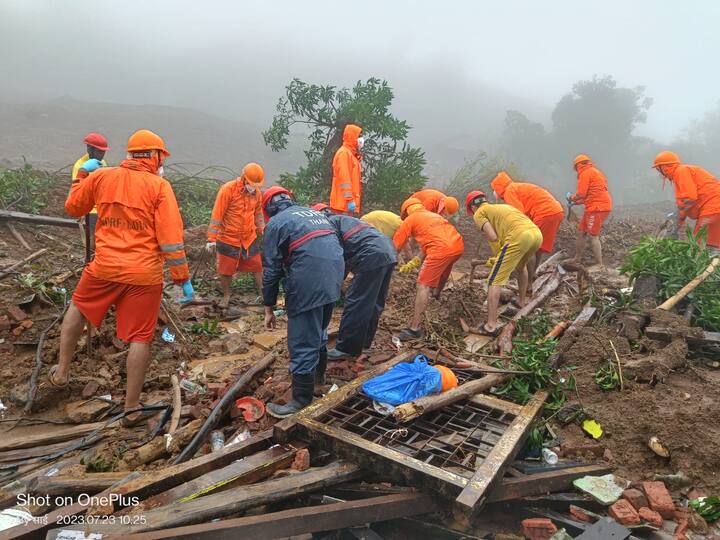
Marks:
<point>383,408</point>
<point>333,388</point>
<point>53,472</point>
<point>192,387</point>
<point>707,507</point>
<point>603,489</point>
<point>168,336</point>
<point>592,428</point>
<point>657,447</point>
<point>240,437</point>
<point>404,382</point>
<point>279,312</point>
<point>396,341</point>
<point>253,409</point>
<point>217,441</point>
<point>549,457</point>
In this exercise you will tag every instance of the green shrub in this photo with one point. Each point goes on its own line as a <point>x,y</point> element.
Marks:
<point>24,189</point>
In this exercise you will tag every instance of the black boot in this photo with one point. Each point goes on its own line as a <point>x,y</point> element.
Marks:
<point>302,395</point>
<point>321,367</point>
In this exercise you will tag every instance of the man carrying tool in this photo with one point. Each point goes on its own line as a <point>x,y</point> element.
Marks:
<point>697,196</point>
<point>139,227</point>
<point>514,239</point>
<point>346,191</point>
<point>441,246</point>
<point>371,258</point>
<point>436,201</point>
<point>537,204</point>
<point>302,249</point>
<point>592,191</point>
<point>96,145</point>
<point>235,227</point>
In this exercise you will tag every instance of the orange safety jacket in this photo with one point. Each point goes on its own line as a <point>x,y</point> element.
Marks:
<point>533,201</point>
<point>436,235</point>
<point>430,198</point>
<point>139,223</point>
<point>346,184</point>
<point>697,191</point>
<point>592,189</point>
<point>237,216</point>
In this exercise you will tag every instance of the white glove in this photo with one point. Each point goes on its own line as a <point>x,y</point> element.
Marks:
<point>210,246</point>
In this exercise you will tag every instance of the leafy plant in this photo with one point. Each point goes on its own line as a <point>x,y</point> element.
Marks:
<point>674,263</point>
<point>207,328</point>
<point>196,191</point>
<point>244,282</point>
<point>707,507</point>
<point>24,189</point>
<point>477,173</point>
<point>535,328</point>
<point>607,377</point>
<point>391,168</point>
<point>36,284</point>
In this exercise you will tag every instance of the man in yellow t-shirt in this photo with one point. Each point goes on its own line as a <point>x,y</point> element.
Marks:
<point>514,238</point>
<point>384,221</point>
<point>96,145</point>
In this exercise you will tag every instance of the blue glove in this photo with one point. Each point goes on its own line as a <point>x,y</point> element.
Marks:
<point>568,196</point>
<point>189,292</point>
<point>351,206</point>
<point>91,165</point>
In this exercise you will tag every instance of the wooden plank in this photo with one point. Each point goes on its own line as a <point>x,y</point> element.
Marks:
<point>492,467</point>
<point>74,485</point>
<point>33,452</point>
<point>246,471</point>
<point>391,462</point>
<point>584,317</point>
<point>545,482</point>
<point>23,217</point>
<point>168,477</point>
<point>305,520</point>
<point>231,502</point>
<point>496,403</point>
<point>283,430</point>
<point>49,435</point>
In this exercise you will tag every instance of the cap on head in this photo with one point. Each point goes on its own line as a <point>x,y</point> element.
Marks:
<point>450,206</point>
<point>474,198</point>
<point>407,207</point>
<point>145,140</point>
<point>96,140</point>
<point>666,158</point>
<point>253,174</point>
<point>580,158</point>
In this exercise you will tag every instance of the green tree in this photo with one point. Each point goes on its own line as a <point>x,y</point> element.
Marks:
<point>391,168</point>
<point>524,142</point>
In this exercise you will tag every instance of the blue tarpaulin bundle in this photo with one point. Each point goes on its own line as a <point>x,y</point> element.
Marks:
<point>404,382</point>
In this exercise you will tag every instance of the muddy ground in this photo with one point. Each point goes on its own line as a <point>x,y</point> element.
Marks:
<point>680,408</point>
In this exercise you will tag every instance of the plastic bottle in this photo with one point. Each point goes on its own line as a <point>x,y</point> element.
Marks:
<point>192,387</point>
<point>217,441</point>
<point>549,457</point>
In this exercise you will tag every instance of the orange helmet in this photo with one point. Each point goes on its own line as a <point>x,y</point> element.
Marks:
<point>448,380</point>
<point>470,199</point>
<point>579,159</point>
<point>253,174</point>
<point>268,196</point>
<point>666,158</point>
<point>145,139</point>
<point>450,206</point>
<point>404,209</point>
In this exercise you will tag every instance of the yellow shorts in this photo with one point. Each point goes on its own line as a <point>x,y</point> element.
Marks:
<point>514,254</point>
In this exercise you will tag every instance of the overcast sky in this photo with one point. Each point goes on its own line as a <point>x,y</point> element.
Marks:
<point>233,57</point>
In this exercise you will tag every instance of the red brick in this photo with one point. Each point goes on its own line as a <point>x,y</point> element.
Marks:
<point>17,313</point>
<point>636,498</point>
<point>651,517</point>
<point>624,513</point>
<point>89,390</point>
<point>538,528</point>
<point>581,514</point>
<point>27,323</point>
<point>302,460</point>
<point>659,499</point>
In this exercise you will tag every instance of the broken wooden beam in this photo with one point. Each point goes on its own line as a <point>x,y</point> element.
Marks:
<point>530,485</point>
<point>474,494</point>
<point>22,217</point>
<point>305,520</point>
<point>670,303</point>
<point>10,269</point>
<point>154,482</point>
<point>73,485</point>
<point>49,435</point>
<point>245,471</point>
<point>158,447</point>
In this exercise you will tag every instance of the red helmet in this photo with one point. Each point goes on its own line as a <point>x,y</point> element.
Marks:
<point>471,197</point>
<point>320,206</point>
<point>96,141</point>
<point>269,194</point>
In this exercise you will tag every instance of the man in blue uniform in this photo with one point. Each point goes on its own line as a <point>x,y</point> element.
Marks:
<point>302,249</point>
<point>371,257</point>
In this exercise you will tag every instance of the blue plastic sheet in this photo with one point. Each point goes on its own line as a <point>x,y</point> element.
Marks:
<point>404,382</point>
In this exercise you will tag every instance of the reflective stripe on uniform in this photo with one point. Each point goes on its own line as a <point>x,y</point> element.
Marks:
<point>312,234</point>
<point>215,222</point>
<point>346,185</point>
<point>348,194</point>
<point>176,262</point>
<point>171,247</point>
<point>355,229</point>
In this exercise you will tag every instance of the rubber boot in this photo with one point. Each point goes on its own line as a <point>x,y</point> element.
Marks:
<point>302,395</point>
<point>320,372</point>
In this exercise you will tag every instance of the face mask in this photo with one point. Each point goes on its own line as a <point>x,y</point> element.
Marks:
<point>497,197</point>
<point>249,188</point>
<point>161,171</point>
<point>361,142</point>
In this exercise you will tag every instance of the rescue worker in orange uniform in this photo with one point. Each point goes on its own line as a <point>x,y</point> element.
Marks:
<point>592,191</point>
<point>441,246</point>
<point>96,145</point>
<point>139,228</point>
<point>436,201</point>
<point>346,191</point>
<point>235,227</point>
<point>536,203</point>
<point>697,195</point>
